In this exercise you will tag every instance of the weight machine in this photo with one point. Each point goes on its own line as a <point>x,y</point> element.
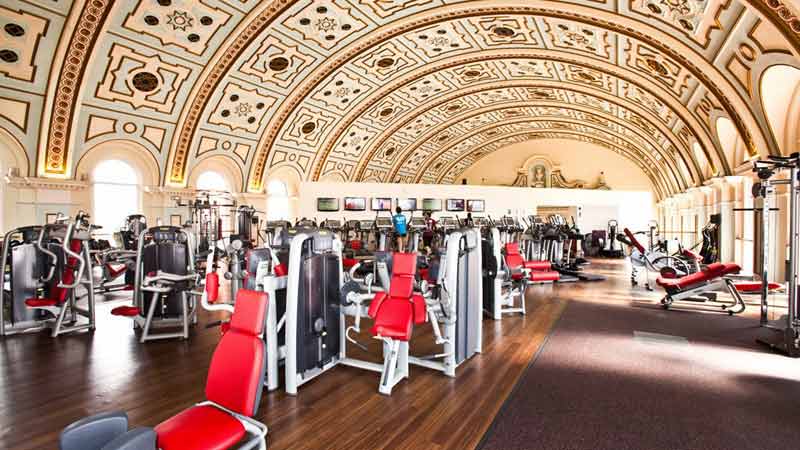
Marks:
<point>165,277</point>
<point>787,329</point>
<point>43,268</point>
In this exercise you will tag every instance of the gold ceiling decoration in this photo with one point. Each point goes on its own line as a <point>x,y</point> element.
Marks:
<point>389,90</point>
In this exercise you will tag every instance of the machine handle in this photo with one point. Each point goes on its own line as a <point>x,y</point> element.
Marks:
<point>47,252</point>
<point>81,263</point>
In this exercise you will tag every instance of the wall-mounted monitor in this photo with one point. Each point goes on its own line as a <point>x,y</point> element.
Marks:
<point>355,204</point>
<point>455,204</point>
<point>476,205</point>
<point>381,204</point>
<point>407,204</point>
<point>431,204</point>
<point>327,204</point>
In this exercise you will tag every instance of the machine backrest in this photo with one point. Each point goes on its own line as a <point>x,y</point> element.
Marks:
<point>236,374</point>
<point>404,266</point>
<point>634,241</point>
<point>513,257</point>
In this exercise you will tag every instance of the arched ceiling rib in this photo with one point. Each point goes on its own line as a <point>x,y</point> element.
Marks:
<point>283,84</point>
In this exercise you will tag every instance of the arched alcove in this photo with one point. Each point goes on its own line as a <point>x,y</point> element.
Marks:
<point>730,141</point>
<point>779,85</point>
<point>116,193</point>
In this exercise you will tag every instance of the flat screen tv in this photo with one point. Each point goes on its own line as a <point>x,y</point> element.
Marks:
<point>407,204</point>
<point>431,204</point>
<point>381,204</point>
<point>455,204</point>
<point>476,206</point>
<point>355,204</point>
<point>327,204</point>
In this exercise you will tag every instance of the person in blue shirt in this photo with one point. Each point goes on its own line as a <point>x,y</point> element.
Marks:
<point>400,228</point>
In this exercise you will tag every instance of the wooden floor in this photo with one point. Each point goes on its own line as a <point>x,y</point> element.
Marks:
<point>48,383</point>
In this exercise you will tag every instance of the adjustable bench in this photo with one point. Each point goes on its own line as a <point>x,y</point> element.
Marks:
<point>224,421</point>
<point>698,285</point>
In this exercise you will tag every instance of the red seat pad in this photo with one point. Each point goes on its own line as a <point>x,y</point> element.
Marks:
<point>394,319</point>
<point>355,244</point>
<point>537,265</point>
<point>550,275</point>
<point>633,240</point>
<point>711,272</point>
<point>38,302</point>
<point>755,286</point>
<point>200,428</point>
<point>348,263</point>
<point>125,311</point>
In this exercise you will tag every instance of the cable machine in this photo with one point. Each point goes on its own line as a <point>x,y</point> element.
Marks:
<point>787,329</point>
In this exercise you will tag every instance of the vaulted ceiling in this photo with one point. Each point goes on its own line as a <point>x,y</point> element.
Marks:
<point>388,90</point>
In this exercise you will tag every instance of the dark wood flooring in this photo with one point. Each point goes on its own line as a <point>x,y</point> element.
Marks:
<point>47,383</point>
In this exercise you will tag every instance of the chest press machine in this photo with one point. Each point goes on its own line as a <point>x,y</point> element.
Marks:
<point>165,277</point>
<point>43,270</point>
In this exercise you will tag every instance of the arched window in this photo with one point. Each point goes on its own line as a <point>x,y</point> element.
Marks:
<point>731,142</point>
<point>212,181</point>
<point>277,201</point>
<point>116,195</point>
<point>779,85</point>
<point>216,183</point>
<point>700,157</point>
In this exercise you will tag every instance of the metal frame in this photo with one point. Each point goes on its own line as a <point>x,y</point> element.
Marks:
<point>699,294</point>
<point>162,283</point>
<point>787,328</point>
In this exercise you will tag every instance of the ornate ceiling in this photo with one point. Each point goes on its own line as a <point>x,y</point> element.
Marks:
<point>388,90</point>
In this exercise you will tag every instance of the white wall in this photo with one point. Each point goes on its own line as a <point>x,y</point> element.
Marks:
<point>631,208</point>
<point>577,160</point>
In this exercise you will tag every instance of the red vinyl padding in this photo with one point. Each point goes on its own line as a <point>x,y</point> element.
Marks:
<point>37,302</point>
<point>281,270</point>
<point>545,276</point>
<point>212,287</point>
<point>540,270</point>
<point>537,265</point>
<point>355,244</point>
<point>395,312</point>
<point>755,286</point>
<point>711,272</point>
<point>200,428</point>
<point>125,311</point>
<point>691,255</point>
<point>394,319</point>
<point>234,377</point>
<point>348,263</point>
<point>114,273</point>
<point>633,240</point>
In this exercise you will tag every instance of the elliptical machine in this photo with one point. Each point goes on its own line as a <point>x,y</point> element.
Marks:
<point>612,247</point>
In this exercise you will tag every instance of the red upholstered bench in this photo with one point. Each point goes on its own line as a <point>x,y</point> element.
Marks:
<point>711,272</point>
<point>701,286</point>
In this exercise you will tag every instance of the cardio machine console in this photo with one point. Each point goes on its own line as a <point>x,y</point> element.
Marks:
<point>383,223</point>
<point>416,223</point>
